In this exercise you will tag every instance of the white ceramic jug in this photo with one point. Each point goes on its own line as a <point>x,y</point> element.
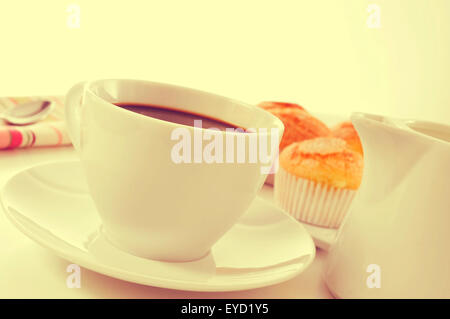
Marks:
<point>395,241</point>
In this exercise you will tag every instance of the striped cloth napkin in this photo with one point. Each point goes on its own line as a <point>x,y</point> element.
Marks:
<point>48,132</point>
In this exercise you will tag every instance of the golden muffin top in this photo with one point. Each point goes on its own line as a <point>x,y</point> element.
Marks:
<point>267,105</point>
<point>326,160</point>
<point>347,132</point>
<point>299,125</point>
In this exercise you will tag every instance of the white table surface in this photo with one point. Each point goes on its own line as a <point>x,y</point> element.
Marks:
<point>30,271</point>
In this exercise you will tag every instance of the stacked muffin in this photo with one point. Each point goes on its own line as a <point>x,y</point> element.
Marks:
<point>320,168</point>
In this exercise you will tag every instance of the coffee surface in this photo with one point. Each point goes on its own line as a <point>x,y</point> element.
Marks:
<point>176,116</point>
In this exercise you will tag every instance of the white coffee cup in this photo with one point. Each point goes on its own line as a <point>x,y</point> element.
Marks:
<point>151,206</point>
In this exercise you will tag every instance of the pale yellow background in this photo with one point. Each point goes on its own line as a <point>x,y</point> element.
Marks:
<point>318,53</point>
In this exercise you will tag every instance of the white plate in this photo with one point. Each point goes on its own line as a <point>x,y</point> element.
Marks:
<point>51,205</point>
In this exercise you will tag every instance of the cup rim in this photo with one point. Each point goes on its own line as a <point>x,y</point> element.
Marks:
<point>274,121</point>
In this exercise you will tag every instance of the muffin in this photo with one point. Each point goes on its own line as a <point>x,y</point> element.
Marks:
<point>317,180</point>
<point>347,132</point>
<point>299,125</point>
<point>268,105</point>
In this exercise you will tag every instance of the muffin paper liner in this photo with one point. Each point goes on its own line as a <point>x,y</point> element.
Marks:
<point>312,202</point>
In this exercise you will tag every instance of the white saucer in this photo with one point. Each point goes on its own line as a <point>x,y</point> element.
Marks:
<point>51,205</point>
<point>323,237</point>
